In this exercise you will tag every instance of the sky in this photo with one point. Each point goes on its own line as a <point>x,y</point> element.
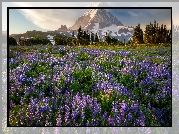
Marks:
<point>24,20</point>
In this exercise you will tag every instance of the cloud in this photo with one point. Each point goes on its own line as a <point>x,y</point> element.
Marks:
<point>131,17</point>
<point>50,19</point>
<point>174,5</point>
<point>132,13</point>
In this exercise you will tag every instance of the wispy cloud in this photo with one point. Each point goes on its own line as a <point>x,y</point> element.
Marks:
<point>52,19</point>
<point>49,18</point>
<point>132,13</point>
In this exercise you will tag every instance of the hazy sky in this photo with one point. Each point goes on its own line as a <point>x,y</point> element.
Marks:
<point>24,20</point>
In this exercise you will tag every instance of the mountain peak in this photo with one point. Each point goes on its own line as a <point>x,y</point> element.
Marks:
<point>93,12</point>
<point>98,4</point>
<point>100,16</point>
<point>101,21</point>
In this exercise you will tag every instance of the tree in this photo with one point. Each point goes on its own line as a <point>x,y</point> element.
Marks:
<point>92,37</point>
<point>138,35</point>
<point>169,36</point>
<point>141,39</point>
<point>158,37</point>
<point>79,36</point>
<point>12,41</point>
<point>73,35</point>
<point>84,39</point>
<point>156,34</point>
<point>114,41</point>
<point>73,40</point>
<point>165,33</point>
<point>107,39</point>
<point>130,41</point>
<point>147,34</point>
<point>88,37</point>
<point>96,38</point>
<point>162,34</point>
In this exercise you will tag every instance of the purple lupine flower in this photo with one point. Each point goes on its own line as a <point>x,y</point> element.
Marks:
<point>30,107</point>
<point>74,115</point>
<point>130,116</point>
<point>104,117</point>
<point>11,104</point>
<point>67,113</point>
<point>87,123</point>
<point>59,120</point>
<point>97,107</point>
<point>83,115</point>
<point>124,105</point>
<point>135,106</point>
<point>46,100</point>
<point>149,105</point>
<point>142,122</point>
<point>111,121</point>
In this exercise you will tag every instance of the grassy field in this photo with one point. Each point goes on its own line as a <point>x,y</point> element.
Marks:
<point>90,86</point>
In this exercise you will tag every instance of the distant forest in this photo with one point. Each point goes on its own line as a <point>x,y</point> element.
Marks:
<point>153,34</point>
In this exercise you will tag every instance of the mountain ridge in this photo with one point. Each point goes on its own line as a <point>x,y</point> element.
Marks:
<point>87,20</point>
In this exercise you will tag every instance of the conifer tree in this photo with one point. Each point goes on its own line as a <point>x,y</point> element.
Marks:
<point>73,35</point>
<point>79,36</point>
<point>159,35</point>
<point>114,40</point>
<point>138,35</point>
<point>151,36</point>
<point>169,36</point>
<point>156,34</point>
<point>107,39</point>
<point>88,37</point>
<point>84,37</point>
<point>92,37</point>
<point>141,38</point>
<point>147,34</point>
<point>96,38</point>
<point>73,38</point>
<point>12,41</point>
<point>165,34</point>
<point>162,33</point>
<point>154,31</point>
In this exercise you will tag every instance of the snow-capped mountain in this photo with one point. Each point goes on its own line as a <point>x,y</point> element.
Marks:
<point>101,16</point>
<point>100,21</point>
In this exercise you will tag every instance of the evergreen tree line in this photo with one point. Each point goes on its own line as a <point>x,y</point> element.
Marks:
<point>33,41</point>
<point>28,42</point>
<point>63,40</point>
<point>153,34</point>
<point>86,38</point>
<point>82,38</point>
<point>12,41</point>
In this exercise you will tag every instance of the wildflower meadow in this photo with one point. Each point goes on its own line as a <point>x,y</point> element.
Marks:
<point>89,86</point>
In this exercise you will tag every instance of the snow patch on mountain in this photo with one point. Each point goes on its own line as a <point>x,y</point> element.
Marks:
<point>101,21</point>
<point>95,28</point>
<point>92,13</point>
